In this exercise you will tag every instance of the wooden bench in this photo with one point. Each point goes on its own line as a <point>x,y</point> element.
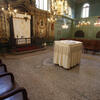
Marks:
<point>93,45</point>
<point>8,89</point>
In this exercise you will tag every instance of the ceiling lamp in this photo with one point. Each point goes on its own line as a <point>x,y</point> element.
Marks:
<point>57,7</point>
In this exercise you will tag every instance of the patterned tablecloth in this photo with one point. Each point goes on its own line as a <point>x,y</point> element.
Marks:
<point>67,53</point>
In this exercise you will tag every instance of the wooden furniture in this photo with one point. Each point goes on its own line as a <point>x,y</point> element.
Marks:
<point>97,46</point>
<point>8,89</point>
<point>16,94</point>
<point>92,45</point>
<point>3,69</point>
<point>8,83</point>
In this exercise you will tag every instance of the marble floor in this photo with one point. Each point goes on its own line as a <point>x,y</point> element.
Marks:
<point>46,81</point>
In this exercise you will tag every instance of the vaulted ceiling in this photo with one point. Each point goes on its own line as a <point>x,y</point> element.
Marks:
<point>82,1</point>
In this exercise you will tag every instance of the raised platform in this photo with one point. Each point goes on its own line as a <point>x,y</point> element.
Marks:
<point>28,49</point>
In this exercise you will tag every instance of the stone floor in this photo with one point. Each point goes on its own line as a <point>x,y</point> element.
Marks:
<point>46,81</point>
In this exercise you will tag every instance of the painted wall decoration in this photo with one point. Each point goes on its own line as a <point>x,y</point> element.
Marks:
<point>89,30</point>
<point>51,29</point>
<point>41,28</point>
<point>21,24</point>
<point>61,33</point>
<point>4,26</point>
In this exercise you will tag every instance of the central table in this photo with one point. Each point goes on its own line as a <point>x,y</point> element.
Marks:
<point>67,53</point>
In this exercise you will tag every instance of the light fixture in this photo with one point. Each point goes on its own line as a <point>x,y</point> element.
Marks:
<point>52,19</point>
<point>15,10</point>
<point>9,10</point>
<point>83,23</point>
<point>97,23</point>
<point>57,7</point>
<point>2,9</point>
<point>60,7</point>
<point>65,26</point>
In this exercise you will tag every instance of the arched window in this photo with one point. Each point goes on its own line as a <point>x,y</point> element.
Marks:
<point>85,10</point>
<point>42,4</point>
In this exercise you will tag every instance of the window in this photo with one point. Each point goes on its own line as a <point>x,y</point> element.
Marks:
<point>85,12</point>
<point>42,4</point>
<point>70,12</point>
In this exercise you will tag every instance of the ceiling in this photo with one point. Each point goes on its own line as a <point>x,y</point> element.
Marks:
<point>82,1</point>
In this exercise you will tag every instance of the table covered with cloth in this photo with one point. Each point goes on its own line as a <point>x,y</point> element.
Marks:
<point>67,53</point>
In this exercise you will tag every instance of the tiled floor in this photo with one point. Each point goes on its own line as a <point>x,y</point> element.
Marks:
<point>46,81</point>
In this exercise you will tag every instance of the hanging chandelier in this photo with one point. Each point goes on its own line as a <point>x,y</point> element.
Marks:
<point>65,26</point>
<point>57,7</point>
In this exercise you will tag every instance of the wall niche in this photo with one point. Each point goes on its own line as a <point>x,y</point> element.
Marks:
<point>79,34</point>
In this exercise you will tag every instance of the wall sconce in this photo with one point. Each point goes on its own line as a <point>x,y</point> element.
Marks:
<point>9,10</point>
<point>83,23</point>
<point>97,23</point>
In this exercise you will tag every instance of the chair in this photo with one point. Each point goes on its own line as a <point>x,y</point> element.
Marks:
<point>97,46</point>
<point>6,83</point>
<point>16,94</point>
<point>8,90</point>
<point>0,61</point>
<point>3,69</point>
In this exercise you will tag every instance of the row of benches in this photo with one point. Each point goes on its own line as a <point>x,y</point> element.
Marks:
<point>93,45</point>
<point>9,90</point>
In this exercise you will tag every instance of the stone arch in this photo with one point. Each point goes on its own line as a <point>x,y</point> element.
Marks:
<point>79,33</point>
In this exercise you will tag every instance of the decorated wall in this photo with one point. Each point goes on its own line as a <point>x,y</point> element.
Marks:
<point>40,21</point>
<point>40,27</point>
<point>90,31</point>
<point>61,33</point>
<point>94,8</point>
<point>21,25</point>
<point>4,25</point>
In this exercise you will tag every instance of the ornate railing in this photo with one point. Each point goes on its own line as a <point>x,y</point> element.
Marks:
<point>23,41</point>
